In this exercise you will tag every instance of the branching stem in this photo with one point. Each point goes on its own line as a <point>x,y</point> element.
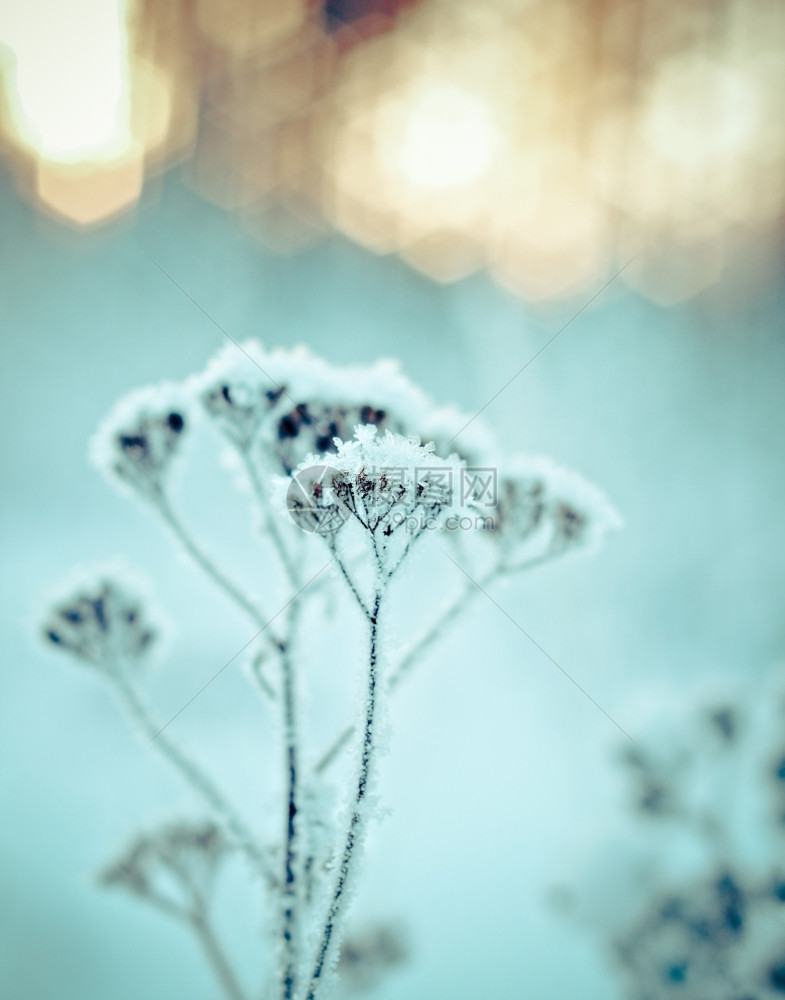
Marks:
<point>193,774</point>
<point>209,568</point>
<point>431,634</point>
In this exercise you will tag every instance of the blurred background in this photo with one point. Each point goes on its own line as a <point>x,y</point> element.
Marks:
<point>450,184</point>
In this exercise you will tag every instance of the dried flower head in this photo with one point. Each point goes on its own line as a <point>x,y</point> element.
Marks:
<point>536,497</point>
<point>392,487</point>
<point>366,957</point>
<point>101,622</point>
<point>721,936</point>
<point>290,403</point>
<point>137,442</point>
<point>184,855</point>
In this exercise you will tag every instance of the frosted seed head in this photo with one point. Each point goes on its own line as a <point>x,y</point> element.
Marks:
<point>138,441</point>
<point>366,957</point>
<point>717,935</point>
<point>100,622</point>
<point>536,496</point>
<point>169,864</point>
<point>288,403</point>
<point>391,487</point>
<point>237,392</point>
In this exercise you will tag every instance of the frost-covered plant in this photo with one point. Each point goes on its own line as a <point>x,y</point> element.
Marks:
<point>350,467</point>
<point>704,914</point>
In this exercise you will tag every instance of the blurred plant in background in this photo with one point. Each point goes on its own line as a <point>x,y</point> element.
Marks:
<point>545,141</point>
<point>336,452</point>
<point>703,913</point>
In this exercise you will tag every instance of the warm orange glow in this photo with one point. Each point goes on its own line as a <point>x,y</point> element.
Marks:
<point>539,140</point>
<point>82,107</point>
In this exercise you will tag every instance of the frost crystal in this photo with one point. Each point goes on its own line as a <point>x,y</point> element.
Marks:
<point>100,622</point>
<point>136,443</point>
<point>392,487</point>
<point>291,403</point>
<point>537,496</point>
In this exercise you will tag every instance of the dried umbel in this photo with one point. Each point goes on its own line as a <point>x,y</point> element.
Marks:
<point>182,854</point>
<point>139,440</point>
<point>289,404</point>
<point>701,912</point>
<point>539,500</point>
<point>101,622</point>
<point>367,956</point>
<point>379,477</point>
<point>722,937</point>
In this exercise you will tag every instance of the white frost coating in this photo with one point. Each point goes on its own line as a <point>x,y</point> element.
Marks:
<point>291,401</point>
<point>392,488</point>
<point>537,496</point>
<point>361,805</point>
<point>136,443</point>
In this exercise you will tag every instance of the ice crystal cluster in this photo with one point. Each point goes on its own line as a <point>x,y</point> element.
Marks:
<point>349,469</point>
<point>704,909</point>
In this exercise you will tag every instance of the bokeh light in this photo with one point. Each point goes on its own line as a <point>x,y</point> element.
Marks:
<point>546,142</point>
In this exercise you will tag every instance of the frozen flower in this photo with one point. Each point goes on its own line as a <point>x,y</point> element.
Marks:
<point>181,854</point>
<point>538,498</point>
<point>290,403</point>
<point>100,621</point>
<point>392,487</point>
<point>366,957</point>
<point>137,442</point>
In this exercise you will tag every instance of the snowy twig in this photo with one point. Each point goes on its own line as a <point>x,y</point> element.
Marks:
<point>358,814</point>
<point>209,568</point>
<point>215,955</point>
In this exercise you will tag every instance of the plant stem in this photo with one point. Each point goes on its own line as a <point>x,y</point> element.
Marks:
<point>429,636</point>
<point>290,931</point>
<point>209,568</point>
<point>270,523</point>
<point>289,887</point>
<point>461,600</point>
<point>358,813</point>
<point>192,773</point>
<point>345,574</point>
<point>216,957</point>
<point>438,627</point>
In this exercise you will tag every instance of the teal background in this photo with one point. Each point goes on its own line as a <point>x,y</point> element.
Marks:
<point>499,781</point>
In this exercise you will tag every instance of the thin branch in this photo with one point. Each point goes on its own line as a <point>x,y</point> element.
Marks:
<point>345,574</point>
<point>193,774</point>
<point>289,565</point>
<point>216,956</point>
<point>431,634</point>
<point>358,817</point>
<point>208,567</point>
<point>264,686</point>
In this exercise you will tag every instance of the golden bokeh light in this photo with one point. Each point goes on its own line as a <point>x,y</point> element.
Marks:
<point>539,140</point>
